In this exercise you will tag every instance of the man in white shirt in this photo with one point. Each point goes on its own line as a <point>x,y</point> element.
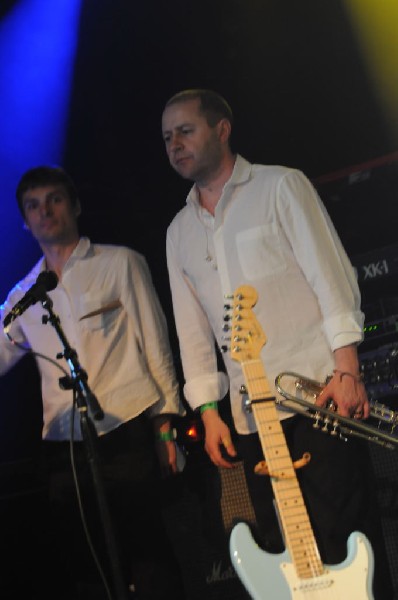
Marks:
<point>265,226</point>
<point>110,314</point>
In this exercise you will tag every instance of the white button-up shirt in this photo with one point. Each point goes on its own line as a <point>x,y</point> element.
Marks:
<point>110,314</point>
<point>270,231</point>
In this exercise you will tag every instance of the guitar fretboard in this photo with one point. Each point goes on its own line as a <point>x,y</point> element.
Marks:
<point>299,536</point>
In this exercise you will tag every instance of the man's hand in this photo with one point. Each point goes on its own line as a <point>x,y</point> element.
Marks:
<point>348,394</point>
<point>346,388</point>
<point>218,436</point>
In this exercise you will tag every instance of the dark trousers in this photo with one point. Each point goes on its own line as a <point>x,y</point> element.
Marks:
<point>339,491</point>
<point>128,466</point>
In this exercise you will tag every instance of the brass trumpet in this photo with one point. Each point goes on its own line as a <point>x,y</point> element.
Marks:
<point>301,399</point>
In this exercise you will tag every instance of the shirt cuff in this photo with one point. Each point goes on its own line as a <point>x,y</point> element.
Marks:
<point>206,388</point>
<point>344,330</point>
<point>165,406</point>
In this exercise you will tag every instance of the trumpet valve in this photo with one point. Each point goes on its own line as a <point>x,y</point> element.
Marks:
<point>326,423</point>
<point>335,428</point>
<point>317,419</point>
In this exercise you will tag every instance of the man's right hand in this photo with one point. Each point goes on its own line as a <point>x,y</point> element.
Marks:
<point>217,436</point>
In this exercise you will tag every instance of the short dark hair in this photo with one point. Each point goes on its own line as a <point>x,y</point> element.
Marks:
<point>43,176</point>
<point>213,106</point>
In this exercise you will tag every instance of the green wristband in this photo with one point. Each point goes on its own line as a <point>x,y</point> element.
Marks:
<point>204,407</point>
<point>165,436</point>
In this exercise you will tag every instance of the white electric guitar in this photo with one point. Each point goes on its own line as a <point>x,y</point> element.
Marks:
<point>297,573</point>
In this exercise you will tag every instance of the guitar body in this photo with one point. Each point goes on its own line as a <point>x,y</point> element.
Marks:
<point>273,576</point>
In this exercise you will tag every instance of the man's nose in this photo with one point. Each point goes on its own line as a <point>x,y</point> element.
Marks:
<point>46,207</point>
<point>175,142</point>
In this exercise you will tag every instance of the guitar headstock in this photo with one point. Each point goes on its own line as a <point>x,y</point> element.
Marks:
<point>247,336</point>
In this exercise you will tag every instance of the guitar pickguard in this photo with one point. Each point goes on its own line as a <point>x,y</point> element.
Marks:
<point>273,576</point>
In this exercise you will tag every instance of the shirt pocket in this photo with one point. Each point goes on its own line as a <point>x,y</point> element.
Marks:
<point>260,251</point>
<point>98,311</point>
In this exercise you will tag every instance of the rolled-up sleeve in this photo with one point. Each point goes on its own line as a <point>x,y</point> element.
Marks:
<point>322,258</point>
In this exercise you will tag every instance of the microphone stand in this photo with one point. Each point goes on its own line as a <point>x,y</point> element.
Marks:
<point>84,399</point>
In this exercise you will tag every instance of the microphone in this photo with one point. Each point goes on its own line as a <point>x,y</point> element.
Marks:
<point>46,281</point>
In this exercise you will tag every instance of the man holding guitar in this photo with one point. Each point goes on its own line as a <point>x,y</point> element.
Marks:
<point>265,226</point>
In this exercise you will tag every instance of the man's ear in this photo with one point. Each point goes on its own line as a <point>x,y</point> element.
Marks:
<point>224,130</point>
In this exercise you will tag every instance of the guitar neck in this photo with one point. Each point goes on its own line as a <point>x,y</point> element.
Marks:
<point>299,537</point>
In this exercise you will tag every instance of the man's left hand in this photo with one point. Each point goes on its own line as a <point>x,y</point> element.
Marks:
<point>167,456</point>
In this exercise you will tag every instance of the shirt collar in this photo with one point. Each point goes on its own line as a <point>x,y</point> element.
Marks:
<point>241,174</point>
<point>82,249</point>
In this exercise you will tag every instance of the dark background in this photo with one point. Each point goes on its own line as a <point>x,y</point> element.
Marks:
<point>302,96</point>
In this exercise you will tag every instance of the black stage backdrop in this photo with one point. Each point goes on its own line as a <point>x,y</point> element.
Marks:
<point>302,96</point>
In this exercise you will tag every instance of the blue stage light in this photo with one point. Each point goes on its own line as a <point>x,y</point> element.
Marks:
<point>38,44</point>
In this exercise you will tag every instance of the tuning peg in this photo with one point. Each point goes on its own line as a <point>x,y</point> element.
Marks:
<point>227,307</point>
<point>226,327</point>
<point>224,348</point>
